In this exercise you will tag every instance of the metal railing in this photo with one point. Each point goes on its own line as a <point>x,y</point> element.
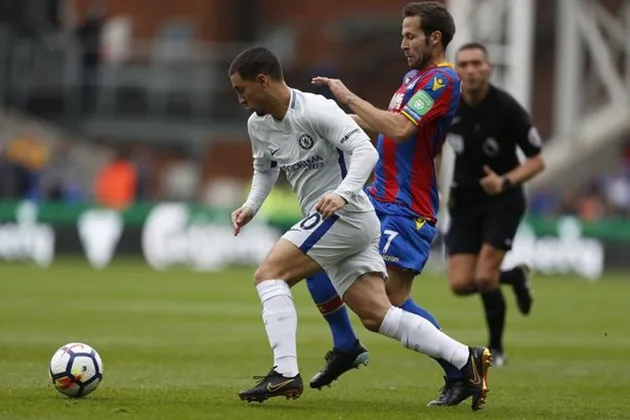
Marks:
<point>159,80</point>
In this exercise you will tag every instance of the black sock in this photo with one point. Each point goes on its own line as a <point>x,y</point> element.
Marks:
<point>512,277</point>
<point>494,305</point>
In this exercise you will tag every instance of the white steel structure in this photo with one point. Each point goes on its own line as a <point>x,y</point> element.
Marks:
<point>592,71</point>
<point>592,96</point>
<point>506,27</point>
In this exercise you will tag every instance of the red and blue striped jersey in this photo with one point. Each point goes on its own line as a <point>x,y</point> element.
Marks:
<point>405,180</point>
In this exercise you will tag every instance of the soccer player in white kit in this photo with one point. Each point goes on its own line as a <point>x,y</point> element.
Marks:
<point>327,159</point>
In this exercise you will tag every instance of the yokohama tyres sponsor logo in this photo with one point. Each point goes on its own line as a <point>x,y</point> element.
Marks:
<point>316,162</point>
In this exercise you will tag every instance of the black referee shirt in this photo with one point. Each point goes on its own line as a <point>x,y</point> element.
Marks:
<point>487,134</point>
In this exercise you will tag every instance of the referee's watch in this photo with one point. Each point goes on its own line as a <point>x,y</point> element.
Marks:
<point>507,184</point>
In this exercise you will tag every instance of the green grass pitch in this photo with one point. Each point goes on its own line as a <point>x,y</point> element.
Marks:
<point>180,345</point>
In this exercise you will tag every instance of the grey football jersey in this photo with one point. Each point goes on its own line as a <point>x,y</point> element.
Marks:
<point>313,145</point>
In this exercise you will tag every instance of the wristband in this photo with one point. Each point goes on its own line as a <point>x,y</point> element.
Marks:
<point>507,184</point>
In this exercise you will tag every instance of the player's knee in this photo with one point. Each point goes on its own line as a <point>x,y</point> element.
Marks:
<point>368,300</point>
<point>372,313</point>
<point>372,322</point>
<point>267,272</point>
<point>487,276</point>
<point>463,289</point>
<point>462,286</point>
<point>398,287</point>
<point>397,296</point>
<point>486,283</point>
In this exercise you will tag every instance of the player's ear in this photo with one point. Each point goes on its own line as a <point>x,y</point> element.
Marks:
<point>262,79</point>
<point>490,68</point>
<point>489,63</point>
<point>436,38</point>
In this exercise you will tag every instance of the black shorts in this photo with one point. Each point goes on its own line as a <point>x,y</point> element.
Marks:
<point>488,221</point>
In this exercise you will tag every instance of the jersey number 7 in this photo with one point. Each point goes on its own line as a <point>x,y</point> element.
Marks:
<point>391,234</point>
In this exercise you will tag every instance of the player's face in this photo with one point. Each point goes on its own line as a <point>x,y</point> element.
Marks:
<point>414,43</point>
<point>474,68</point>
<point>251,93</point>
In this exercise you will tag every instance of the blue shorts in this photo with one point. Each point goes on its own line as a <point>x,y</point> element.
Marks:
<point>405,241</point>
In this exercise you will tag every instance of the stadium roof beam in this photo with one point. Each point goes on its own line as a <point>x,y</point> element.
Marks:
<point>506,27</point>
<point>588,30</point>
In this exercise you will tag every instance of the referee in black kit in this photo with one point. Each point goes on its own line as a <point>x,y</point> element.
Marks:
<point>486,201</point>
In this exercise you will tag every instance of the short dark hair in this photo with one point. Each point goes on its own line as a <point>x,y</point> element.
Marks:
<point>434,16</point>
<point>473,46</point>
<point>254,61</point>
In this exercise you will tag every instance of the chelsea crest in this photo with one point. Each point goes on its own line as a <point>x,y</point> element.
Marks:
<point>305,141</point>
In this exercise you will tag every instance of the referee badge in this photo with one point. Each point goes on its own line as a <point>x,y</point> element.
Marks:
<point>491,147</point>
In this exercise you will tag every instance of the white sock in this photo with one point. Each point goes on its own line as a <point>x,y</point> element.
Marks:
<point>416,333</point>
<point>280,320</point>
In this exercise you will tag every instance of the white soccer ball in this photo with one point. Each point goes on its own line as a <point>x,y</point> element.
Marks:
<point>76,369</point>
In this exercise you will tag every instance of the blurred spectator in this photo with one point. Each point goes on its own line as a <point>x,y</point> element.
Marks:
<point>618,193</point>
<point>224,192</point>
<point>61,179</point>
<point>143,162</point>
<point>28,156</point>
<point>181,180</point>
<point>14,182</point>
<point>568,203</point>
<point>543,202</point>
<point>116,184</point>
<point>591,203</point>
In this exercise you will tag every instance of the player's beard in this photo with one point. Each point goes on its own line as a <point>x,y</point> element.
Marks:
<point>424,58</point>
<point>422,62</point>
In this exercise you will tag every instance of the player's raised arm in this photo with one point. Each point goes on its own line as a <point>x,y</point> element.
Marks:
<point>393,125</point>
<point>430,101</point>
<point>265,176</point>
<point>336,126</point>
<point>365,126</point>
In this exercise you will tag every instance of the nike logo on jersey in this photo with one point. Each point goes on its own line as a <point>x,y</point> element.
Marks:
<point>437,84</point>
<point>273,152</point>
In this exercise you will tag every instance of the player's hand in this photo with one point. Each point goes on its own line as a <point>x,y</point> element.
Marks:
<point>336,86</point>
<point>241,217</point>
<point>492,183</point>
<point>329,204</point>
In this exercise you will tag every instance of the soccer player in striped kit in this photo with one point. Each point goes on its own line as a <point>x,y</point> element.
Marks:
<point>405,192</point>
